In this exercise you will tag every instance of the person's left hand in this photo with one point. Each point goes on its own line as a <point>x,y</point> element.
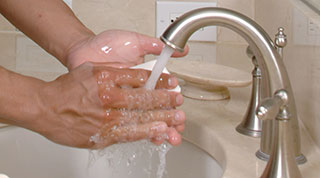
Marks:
<point>116,47</point>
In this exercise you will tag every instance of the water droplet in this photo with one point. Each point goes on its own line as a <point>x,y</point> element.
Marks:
<point>155,45</point>
<point>127,43</point>
<point>106,97</point>
<point>114,127</point>
<point>106,49</point>
<point>108,112</point>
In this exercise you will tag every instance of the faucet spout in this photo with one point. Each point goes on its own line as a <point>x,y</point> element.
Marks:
<point>178,33</point>
<point>273,71</point>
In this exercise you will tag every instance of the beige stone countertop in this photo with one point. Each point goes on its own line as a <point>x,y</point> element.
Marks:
<point>211,125</point>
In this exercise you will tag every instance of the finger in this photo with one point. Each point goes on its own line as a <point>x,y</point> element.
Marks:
<point>108,73</point>
<point>154,46</point>
<point>140,98</point>
<point>138,132</point>
<point>121,77</point>
<point>157,141</point>
<point>180,128</point>
<point>131,77</point>
<point>181,54</point>
<point>167,81</point>
<point>137,78</point>
<point>127,133</point>
<point>170,117</point>
<point>174,138</point>
<point>150,45</point>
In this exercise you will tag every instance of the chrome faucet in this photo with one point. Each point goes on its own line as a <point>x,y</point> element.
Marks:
<point>274,75</point>
<point>251,125</point>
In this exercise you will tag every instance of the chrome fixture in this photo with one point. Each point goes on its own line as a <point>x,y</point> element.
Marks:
<point>282,156</point>
<point>251,125</point>
<point>282,162</point>
<point>274,74</point>
<point>280,40</point>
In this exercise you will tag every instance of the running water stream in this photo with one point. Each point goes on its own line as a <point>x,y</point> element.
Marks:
<point>158,67</point>
<point>150,85</point>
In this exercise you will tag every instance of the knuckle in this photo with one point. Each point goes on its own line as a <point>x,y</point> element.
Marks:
<point>142,76</point>
<point>107,99</point>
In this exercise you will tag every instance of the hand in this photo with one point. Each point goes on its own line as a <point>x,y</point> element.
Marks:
<point>94,106</point>
<point>117,48</point>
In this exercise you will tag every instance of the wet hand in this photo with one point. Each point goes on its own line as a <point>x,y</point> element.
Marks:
<point>115,47</point>
<point>94,106</point>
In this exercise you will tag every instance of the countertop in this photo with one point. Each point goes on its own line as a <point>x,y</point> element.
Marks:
<point>211,125</point>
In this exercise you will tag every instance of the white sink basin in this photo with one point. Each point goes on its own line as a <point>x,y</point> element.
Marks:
<point>24,154</point>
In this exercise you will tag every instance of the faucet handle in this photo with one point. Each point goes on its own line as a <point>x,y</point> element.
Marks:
<point>270,107</point>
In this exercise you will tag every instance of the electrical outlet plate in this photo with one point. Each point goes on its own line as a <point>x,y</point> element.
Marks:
<point>305,32</point>
<point>168,11</point>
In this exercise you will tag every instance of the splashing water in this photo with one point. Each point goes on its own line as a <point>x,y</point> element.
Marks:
<point>126,160</point>
<point>158,67</point>
<point>119,154</point>
<point>164,148</point>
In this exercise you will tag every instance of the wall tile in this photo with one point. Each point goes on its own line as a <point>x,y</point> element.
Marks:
<point>5,25</point>
<point>21,55</point>
<point>31,57</point>
<point>128,15</point>
<point>234,55</point>
<point>8,50</point>
<point>245,7</point>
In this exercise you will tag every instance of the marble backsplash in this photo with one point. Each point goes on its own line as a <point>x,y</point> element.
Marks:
<point>302,60</point>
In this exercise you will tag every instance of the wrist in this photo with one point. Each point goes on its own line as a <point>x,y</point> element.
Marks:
<point>19,99</point>
<point>75,39</point>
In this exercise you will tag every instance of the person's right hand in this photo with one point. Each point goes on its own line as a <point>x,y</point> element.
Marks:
<point>94,106</point>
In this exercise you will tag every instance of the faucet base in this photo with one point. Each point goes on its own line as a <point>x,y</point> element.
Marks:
<point>245,131</point>
<point>203,92</point>
<point>301,159</point>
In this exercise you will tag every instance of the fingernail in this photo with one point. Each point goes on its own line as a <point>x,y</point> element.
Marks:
<point>179,99</point>
<point>172,81</point>
<point>179,116</point>
<point>175,140</point>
